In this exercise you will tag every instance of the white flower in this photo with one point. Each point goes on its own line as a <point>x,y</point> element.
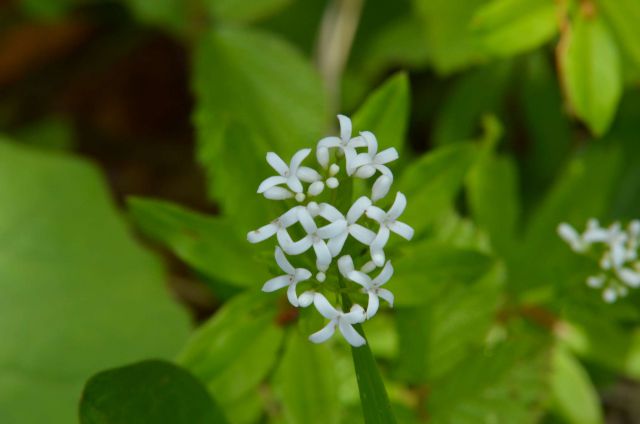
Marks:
<point>292,278</point>
<point>289,175</point>
<point>344,321</point>
<point>372,287</point>
<point>277,226</point>
<point>388,222</point>
<point>315,238</point>
<point>357,231</point>
<point>365,165</point>
<point>572,237</point>
<point>345,143</point>
<point>629,276</point>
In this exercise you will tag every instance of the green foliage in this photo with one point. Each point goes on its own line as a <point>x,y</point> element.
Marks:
<point>508,27</point>
<point>243,10</point>
<point>594,90</point>
<point>149,391</point>
<point>196,238</point>
<point>71,304</point>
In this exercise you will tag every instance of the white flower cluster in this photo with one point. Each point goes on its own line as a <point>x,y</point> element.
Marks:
<point>325,229</point>
<point>616,250</point>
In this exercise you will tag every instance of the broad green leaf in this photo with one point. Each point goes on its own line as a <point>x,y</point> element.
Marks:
<point>476,94</point>
<point>448,34</point>
<point>77,293</point>
<point>432,182</point>
<point>261,82</point>
<point>429,267</point>
<point>494,198</point>
<point>244,10</point>
<point>386,113</point>
<point>306,382</point>
<point>547,128</point>
<point>436,336</point>
<point>623,17</point>
<point>573,393</point>
<point>591,71</point>
<point>509,27</point>
<point>151,391</point>
<point>505,384</point>
<point>233,352</point>
<point>46,10</point>
<point>233,186</point>
<point>168,14</point>
<point>207,243</point>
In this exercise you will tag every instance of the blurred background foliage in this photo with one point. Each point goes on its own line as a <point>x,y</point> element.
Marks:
<point>511,116</point>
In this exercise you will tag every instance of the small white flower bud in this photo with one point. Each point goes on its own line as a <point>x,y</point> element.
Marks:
<point>334,169</point>
<point>300,197</point>
<point>315,188</point>
<point>332,182</point>
<point>609,295</point>
<point>321,276</point>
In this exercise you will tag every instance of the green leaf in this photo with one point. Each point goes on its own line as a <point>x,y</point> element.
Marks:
<point>430,267</point>
<point>505,384</point>
<point>591,71</point>
<point>432,182</point>
<point>169,14</point>
<point>306,382</point>
<point>244,10</point>
<point>386,113</point>
<point>233,351</point>
<point>437,336</point>
<point>475,94</point>
<point>573,393</point>
<point>448,34</point>
<point>147,392</point>
<point>261,82</point>
<point>510,27</point>
<point>209,244</point>
<point>232,186</point>
<point>623,16</point>
<point>77,293</point>
<point>494,199</point>
<point>376,408</point>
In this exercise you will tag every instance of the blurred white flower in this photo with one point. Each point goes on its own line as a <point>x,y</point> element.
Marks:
<point>388,222</point>
<point>344,321</point>
<point>292,277</point>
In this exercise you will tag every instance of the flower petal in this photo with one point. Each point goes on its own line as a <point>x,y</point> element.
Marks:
<point>386,295</point>
<point>384,275</point>
<point>360,160</point>
<point>336,244</point>
<point>292,295</point>
<point>315,188</point>
<point>302,274</point>
<point>330,213</point>
<point>262,233</point>
<point>298,247</point>
<point>345,128</point>
<point>358,208</point>
<point>294,184</point>
<point>271,182</point>
<point>372,142</point>
<point>290,217</point>
<point>362,234</point>
<point>386,156</point>
<point>345,265</point>
<point>351,335</point>
<point>277,193</point>
<point>323,255</point>
<point>331,230</point>
<point>308,175</point>
<point>277,163</point>
<point>324,334</point>
<point>402,229</point>
<point>398,206</point>
<point>329,142</point>
<point>324,307</point>
<point>630,277</point>
<point>350,156</point>
<point>297,159</point>
<point>306,299</point>
<point>307,221</point>
<point>283,263</point>
<point>354,316</point>
<point>381,187</point>
<point>360,278</point>
<point>276,283</point>
<point>376,214</point>
<point>373,305</point>
<point>322,154</point>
